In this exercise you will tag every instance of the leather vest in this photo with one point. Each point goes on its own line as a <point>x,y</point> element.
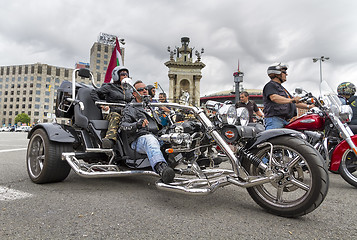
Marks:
<point>272,109</point>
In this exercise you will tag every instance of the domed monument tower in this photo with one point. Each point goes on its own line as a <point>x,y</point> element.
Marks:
<point>184,74</point>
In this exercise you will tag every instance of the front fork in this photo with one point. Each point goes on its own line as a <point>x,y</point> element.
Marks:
<point>347,133</point>
<point>236,165</point>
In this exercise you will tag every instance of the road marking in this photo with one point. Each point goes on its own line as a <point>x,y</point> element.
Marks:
<point>13,150</point>
<point>8,194</point>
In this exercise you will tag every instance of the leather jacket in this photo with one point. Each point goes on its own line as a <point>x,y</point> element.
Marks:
<point>111,93</point>
<point>133,116</point>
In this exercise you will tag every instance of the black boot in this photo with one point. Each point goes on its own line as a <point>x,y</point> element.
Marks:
<point>107,143</point>
<point>166,173</point>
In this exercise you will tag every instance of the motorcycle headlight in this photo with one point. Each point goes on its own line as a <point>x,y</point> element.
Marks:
<point>346,113</point>
<point>227,114</point>
<point>243,116</point>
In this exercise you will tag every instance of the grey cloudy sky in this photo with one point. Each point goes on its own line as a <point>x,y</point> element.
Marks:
<point>257,32</point>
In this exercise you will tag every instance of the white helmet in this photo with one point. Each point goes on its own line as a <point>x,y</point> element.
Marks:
<point>276,68</point>
<point>116,71</point>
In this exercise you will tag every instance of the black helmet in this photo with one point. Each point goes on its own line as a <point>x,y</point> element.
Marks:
<point>150,87</point>
<point>276,68</point>
<point>116,71</point>
<point>346,89</point>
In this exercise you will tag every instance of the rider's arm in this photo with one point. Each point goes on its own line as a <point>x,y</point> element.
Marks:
<point>259,113</point>
<point>131,121</point>
<point>283,100</point>
<point>98,94</point>
<point>304,105</point>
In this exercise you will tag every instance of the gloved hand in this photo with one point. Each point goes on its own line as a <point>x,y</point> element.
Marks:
<point>139,124</point>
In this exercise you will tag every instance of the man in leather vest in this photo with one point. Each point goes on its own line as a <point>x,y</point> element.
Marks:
<point>141,123</point>
<point>279,105</point>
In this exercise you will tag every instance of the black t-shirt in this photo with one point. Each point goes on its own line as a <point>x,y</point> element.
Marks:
<point>272,109</point>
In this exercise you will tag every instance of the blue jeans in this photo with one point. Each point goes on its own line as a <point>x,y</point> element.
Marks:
<point>149,145</point>
<point>274,122</point>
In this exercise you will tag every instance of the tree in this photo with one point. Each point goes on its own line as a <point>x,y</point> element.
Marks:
<point>23,118</point>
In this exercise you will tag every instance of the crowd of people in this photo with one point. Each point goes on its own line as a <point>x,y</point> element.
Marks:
<point>141,123</point>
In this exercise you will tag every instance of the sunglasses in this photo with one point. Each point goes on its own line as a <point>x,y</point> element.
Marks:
<point>141,89</point>
<point>283,72</point>
<point>123,74</point>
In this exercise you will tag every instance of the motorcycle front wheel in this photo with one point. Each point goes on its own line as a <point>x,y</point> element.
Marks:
<point>304,180</point>
<point>348,167</point>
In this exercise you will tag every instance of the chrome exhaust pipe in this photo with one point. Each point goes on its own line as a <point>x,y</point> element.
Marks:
<point>103,170</point>
<point>192,187</point>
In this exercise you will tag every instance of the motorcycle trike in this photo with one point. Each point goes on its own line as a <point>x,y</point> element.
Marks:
<point>283,173</point>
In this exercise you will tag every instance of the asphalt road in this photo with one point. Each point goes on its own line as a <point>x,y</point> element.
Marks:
<point>132,208</point>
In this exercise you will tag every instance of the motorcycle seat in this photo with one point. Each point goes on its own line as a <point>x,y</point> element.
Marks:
<point>99,124</point>
<point>87,112</point>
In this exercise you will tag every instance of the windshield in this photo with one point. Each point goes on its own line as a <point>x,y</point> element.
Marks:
<point>328,92</point>
<point>334,103</point>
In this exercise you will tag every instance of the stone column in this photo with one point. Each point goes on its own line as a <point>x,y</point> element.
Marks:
<point>197,89</point>
<point>172,87</point>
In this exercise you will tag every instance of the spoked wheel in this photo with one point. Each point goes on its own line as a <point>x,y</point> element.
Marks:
<point>43,160</point>
<point>303,182</point>
<point>348,167</point>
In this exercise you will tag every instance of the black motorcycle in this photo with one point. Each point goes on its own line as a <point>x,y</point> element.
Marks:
<point>283,173</point>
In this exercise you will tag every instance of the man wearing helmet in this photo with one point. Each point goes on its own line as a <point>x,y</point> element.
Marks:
<point>279,105</point>
<point>112,93</point>
<point>347,91</point>
<point>152,91</point>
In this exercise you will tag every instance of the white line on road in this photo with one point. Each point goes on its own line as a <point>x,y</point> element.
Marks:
<point>8,194</point>
<point>12,150</point>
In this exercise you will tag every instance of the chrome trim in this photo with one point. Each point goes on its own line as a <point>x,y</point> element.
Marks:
<point>99,170</point>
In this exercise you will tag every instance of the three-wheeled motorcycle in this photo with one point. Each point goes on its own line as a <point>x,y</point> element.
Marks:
<point>281,171</point>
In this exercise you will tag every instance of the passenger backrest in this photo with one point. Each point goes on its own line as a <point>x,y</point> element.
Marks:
<point>90,111</point>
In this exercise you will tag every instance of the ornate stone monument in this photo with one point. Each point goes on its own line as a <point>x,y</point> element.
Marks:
<point>184,74</point>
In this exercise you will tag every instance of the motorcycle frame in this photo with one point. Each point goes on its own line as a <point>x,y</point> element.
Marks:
<point>207,180</point>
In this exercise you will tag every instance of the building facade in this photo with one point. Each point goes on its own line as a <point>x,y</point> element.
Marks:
<point>100,54</point>
<point>32,88</point>
<point>184,74</point>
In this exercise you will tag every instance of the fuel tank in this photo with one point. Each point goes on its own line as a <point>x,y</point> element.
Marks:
<point>312,122</point>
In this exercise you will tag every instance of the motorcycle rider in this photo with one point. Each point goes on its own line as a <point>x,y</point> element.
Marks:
<point>112,93</point>
<point>279,105</point>
<point>152,91</point>
<point>142,123</point>
<point>347,90</point>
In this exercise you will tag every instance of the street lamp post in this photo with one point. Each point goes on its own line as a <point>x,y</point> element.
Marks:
<point>321,59</point>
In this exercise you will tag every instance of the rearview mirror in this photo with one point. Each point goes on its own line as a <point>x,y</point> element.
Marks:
<point>298,90</point>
